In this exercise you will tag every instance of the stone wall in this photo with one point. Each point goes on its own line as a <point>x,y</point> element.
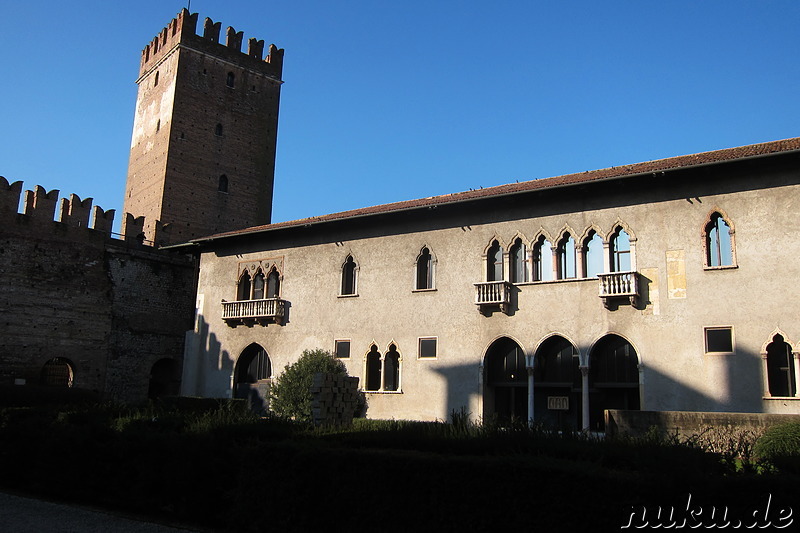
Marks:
<point>687,423</point>
<point>110,307</point>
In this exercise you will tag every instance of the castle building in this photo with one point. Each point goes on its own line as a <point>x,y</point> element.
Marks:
<point>665,285</point>
<point>203,146</point>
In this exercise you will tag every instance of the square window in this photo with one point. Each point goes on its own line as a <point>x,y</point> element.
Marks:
<point>342,349</point>
<point>427,347</point>
<point>719,339</point>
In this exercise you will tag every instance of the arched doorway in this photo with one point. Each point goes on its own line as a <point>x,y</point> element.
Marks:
<point>58,372</point>
<point>613,379</point>
<point>165,379</point>
<point>557,384</point>
<point>251,377</point>
<point>506,394</point>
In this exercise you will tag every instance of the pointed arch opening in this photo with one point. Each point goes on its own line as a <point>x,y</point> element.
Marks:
<point>567,257</point>
<point>494,262</point>
<point>349,277</point>
<point>620,251</point>
<point>252,377</point>
<point>557,376</point>
<point>613,378</point>
<point>373,370</point>
<point>518,261</point>
<point>593,255</point>
<point>542,259</point>
<point>506,382</point>
<point>424,270</point>
<point>718,241</point>
<point>781,377</point>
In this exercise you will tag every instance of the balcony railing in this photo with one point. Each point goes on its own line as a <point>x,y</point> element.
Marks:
<point>619,285</point>
<point>490,294</point>
<point>262,311</point>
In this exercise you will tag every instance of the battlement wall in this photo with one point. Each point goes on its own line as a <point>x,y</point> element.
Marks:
<point>183,30</point>
<point>42,209</point>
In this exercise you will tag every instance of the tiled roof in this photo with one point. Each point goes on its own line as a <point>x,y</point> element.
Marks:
<point>649,167</point>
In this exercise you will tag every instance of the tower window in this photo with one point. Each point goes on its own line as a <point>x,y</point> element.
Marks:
<point>218,130</point>
<point>155,81</point>
<point>158,125</point>
<point>223,183</point>
<point>231,79</point>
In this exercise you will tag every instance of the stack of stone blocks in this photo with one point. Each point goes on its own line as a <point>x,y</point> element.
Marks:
<point>334,399</point>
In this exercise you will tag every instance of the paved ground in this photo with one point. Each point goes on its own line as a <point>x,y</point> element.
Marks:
<point>26,515</point>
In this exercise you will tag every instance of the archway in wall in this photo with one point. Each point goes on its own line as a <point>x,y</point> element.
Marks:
<point>506,378</point>
<point>557,384</point>
<point>252,377</point>
<point>613,379</point>
<point>165,379</point>
<point>58,372</point>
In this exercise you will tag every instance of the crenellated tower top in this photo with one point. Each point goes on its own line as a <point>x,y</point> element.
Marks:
<point>182,30</point>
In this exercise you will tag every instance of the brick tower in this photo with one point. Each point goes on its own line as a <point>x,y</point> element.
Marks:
<point>203,145</point>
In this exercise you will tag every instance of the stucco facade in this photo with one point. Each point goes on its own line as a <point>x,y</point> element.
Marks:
<point>705,283</point>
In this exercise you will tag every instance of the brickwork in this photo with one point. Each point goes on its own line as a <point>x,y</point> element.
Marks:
<point>110,307</point>
<point>204,110</point>
<point>334,399</point>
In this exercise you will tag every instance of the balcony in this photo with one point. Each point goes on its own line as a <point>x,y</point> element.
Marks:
<point>490,294</point>
<point>619,285</point>
<point>254,311</point>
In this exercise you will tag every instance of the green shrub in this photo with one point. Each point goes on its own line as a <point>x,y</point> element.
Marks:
<point>290,395</point>
<point>780,446</point>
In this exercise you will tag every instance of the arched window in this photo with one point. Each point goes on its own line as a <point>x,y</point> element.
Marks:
<point>494,262</point>
<point>425,270</point>
<point>719,245</point>
<point>57,372</point>
<point>542,260</point>
<point>391,369</point>
<point>593,255</point>
<point>780,368</point>
<point>349,270</point>
<point>373,381</point>
<point>273,284</point>
<point>243,290</point>
<point>258,286</point>
<point>566,257</point>
<point>223,183</point>
<point>620,250</point>
<point>518,258</point>
<point>231,80</point>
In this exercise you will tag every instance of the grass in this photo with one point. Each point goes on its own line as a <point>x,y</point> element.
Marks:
<point>218,466</point>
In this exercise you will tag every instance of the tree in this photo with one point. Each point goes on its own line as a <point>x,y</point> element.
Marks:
<point>290,395</point>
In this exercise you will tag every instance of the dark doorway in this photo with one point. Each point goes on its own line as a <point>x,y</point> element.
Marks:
<point>506,382</point>
<point>613,379</point>
<point>557,384</point>
<point>251,377</point>
<point>165,379</point>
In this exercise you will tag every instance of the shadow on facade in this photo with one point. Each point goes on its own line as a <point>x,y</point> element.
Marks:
<point>734,383</point>
<point>207,368</point>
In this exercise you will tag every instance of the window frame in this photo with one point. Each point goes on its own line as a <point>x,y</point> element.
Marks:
<point>435,348</point>
<point>341,342</point>
<point>711,225</point>
<point>424,267</point>
<point>706,346</point>
<point>348,286</point>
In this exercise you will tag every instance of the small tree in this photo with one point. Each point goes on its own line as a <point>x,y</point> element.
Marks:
<point>290,395</point>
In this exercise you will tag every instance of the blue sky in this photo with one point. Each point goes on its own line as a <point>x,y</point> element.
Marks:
<point>386,101</point>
